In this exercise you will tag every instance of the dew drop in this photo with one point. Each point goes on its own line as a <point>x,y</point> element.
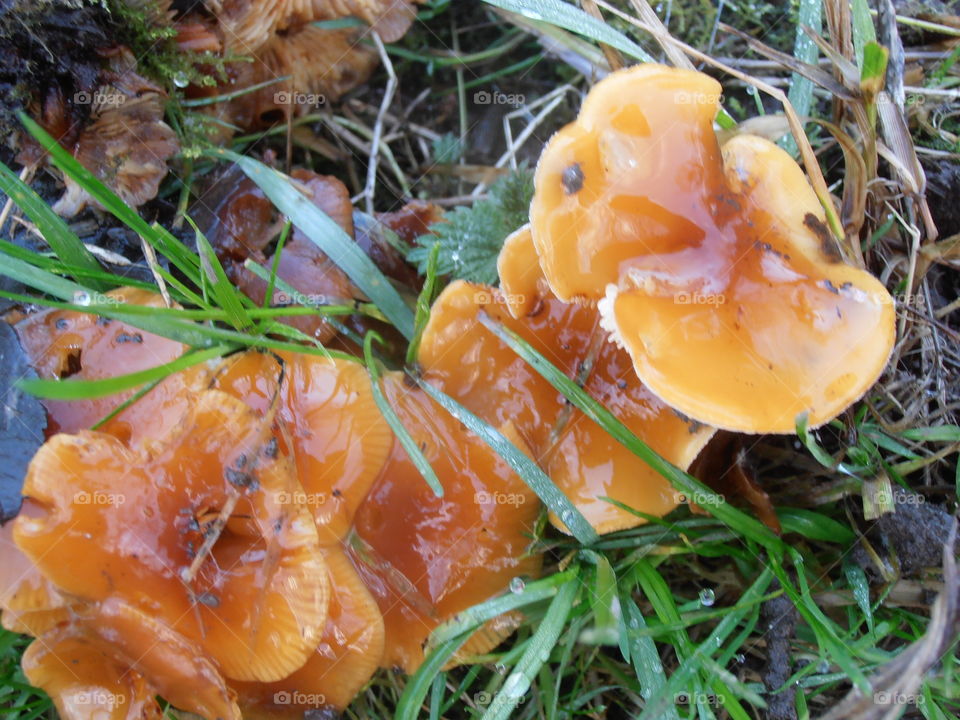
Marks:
<point>181,80</point>
<point>517,585</point>
<point>707,597</point>
<point>741,658</point>
<point>81,297</point>
<point>823,667</point>
<point>500,668</point>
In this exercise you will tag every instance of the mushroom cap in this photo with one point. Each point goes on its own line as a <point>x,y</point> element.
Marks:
<point>126,147</point>
<point>336,436</point>
<point>320,63</point>
<point>474,366</point>
<point>425,558</point>
<point>30,603</point>
<point>346,658</point>
<point>390,18</point>
<point>68,343</point>
<point>255,600</point>
<point>175,666</point>
<point>701,252</point>
<point>84,681</point>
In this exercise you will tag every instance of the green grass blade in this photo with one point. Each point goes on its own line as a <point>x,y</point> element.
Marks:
<point>88,181</point>
<point>575,20</point>
<point>419,684</point>
<point>83,389</point>
<point>64,243</point>
<point>424,301</point>
<point>536,654</point>
<point>472,618</point>
<point>526,468</point>
<point>393,420</point>
<point>739,521</point>
<point>224,293</point>
<point>329,237</point>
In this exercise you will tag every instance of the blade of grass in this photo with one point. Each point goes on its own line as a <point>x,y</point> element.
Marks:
<point>82,389</point>
<point>329,237</point>
<point>64,243</point>
<point>396,424</point>
<point>739,521</point>
<point>472,618</point>
<point>424,301</point>
<point>536,654</point>
<point>536,479</point>
<point>575,20</point>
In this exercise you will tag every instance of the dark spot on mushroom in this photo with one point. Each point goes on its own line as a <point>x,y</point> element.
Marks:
<point>62,324</point>
<point>103,321</point>
<point>337,493</point>
<point>73,365</point>
<point>572,179</point>
<point>622,384</point>
<point>240,479</point>
<point>270,449</point>
<point>537,308</point>
<point>241,460</point>
<point>123,337</point>
<point>828,244</point>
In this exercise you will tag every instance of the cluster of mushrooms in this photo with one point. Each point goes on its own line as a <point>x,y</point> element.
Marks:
<point>275,61</point>
<point>250,539</point>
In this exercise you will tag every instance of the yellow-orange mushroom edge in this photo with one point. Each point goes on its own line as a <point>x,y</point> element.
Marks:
<point>713,266</point>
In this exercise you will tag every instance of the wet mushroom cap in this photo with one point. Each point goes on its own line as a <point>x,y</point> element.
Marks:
<point>206,533</point>
<point>714,266</point>
<point>473,365</point>
<point>336,436</point>
<point>84,681</point>
<point>70,344</point>
<point>30,603</point>
<point>425,558</point>
<point>347,656</point>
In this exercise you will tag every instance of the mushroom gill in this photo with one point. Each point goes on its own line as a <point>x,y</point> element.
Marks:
<point>714,265</point>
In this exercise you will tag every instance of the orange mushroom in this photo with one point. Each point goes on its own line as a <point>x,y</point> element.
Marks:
<point>204,532</point>
<point>30,603</point>
<point>714,266</point>
<point>425,558</point>
<point>113,660</point>
<point>70,344</point>
<point>348,654</point>
<point>474,366</point>
<point>337,438</point>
